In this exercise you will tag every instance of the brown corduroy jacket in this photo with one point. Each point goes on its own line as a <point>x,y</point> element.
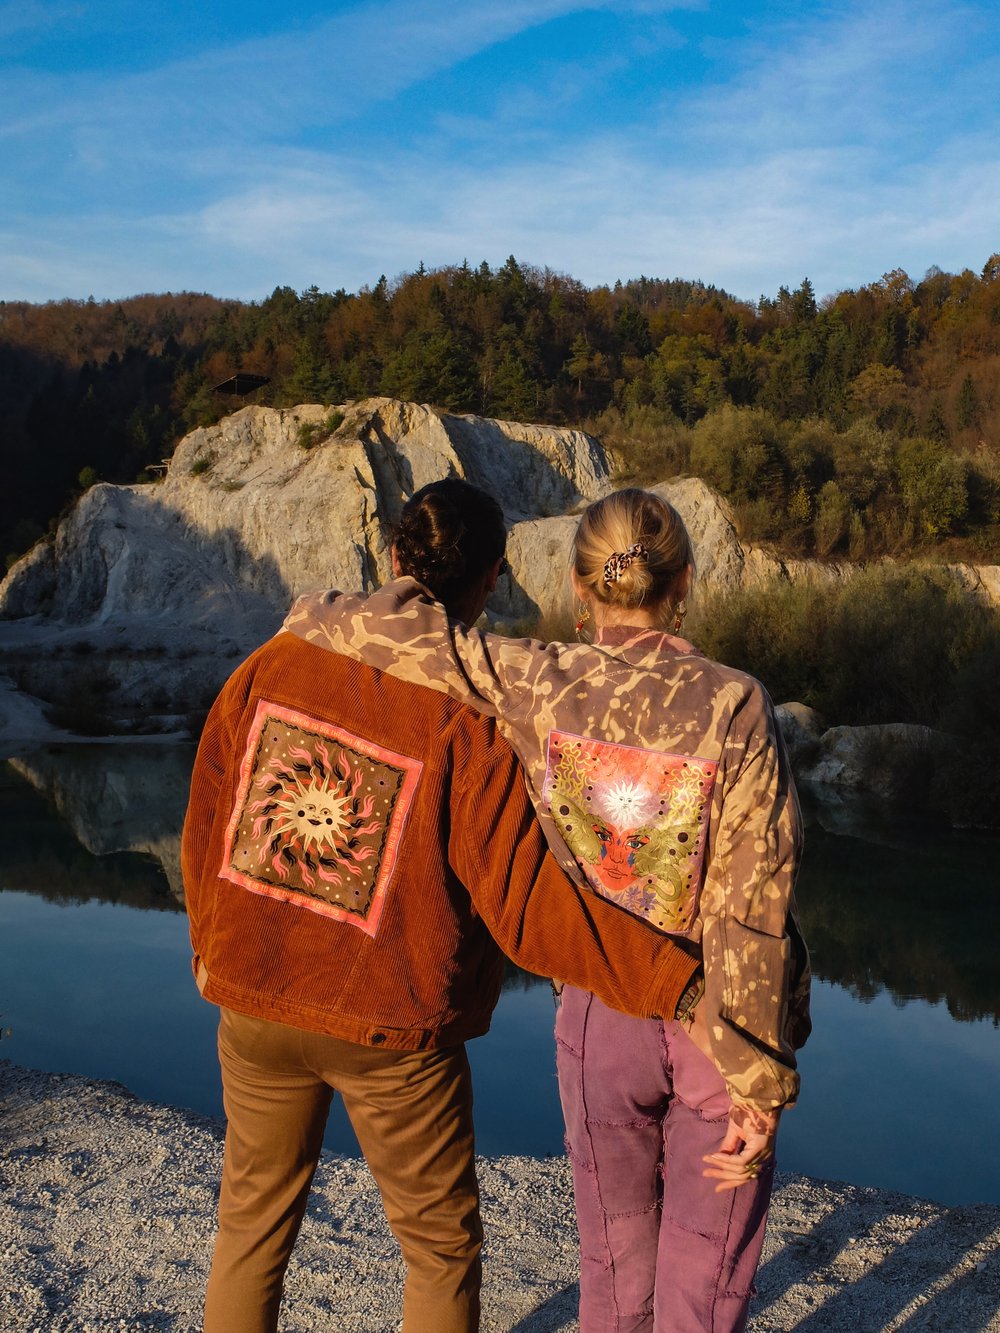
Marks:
<point>356,848</point>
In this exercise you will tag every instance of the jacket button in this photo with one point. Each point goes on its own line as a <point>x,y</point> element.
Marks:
<point>378,1038</point>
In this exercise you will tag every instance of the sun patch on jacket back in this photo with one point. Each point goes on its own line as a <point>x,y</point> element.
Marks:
<point>318,817</point>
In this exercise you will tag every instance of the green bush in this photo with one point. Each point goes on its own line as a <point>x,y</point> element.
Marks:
<point>884,645</point>
<point>740,451</point>
<point>935,485</point>
<point>833,517</point>
<point>864,462</point>
<point>311,433</point>
<point>646,444</point>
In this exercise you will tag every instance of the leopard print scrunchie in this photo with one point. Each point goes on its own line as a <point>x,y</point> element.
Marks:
<point>617,563</point>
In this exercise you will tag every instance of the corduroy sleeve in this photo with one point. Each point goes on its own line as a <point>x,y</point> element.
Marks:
<point>207,777</point>
<point>542,920</point>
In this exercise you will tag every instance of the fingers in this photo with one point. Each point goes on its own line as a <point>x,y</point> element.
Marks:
<point>732,1170</point>
<point>748,1145</point>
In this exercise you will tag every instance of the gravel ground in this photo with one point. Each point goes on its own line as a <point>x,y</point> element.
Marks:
<point>106,1223</point>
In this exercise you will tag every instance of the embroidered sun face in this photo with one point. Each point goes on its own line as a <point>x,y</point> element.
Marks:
<point>314,816</point>
<point>313,813</point>
<point>627,803</point>
<point>318,816</point>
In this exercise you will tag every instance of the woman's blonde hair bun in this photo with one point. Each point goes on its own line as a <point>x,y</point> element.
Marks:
<point>630,548</point>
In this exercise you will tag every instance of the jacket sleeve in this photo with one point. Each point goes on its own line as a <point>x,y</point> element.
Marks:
<point>215,750</point>
<point>755,967</point>
<point>542,920</point>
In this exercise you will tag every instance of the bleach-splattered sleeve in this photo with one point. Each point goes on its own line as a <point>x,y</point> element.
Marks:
<point>755,964</point>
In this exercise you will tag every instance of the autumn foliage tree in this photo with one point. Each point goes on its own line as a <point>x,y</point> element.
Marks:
<point>846,427</point>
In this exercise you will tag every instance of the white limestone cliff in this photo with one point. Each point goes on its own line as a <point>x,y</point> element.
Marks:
<point>246,517</point>
<point>147,595</point>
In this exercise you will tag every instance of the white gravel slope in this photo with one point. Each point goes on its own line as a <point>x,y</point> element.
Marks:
<point>106,1223</point>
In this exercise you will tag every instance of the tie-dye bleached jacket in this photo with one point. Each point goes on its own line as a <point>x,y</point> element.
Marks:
<point>661,782</point>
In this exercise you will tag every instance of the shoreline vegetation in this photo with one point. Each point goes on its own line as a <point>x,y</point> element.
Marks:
<point>901,644</point>
<point>108,1202</point>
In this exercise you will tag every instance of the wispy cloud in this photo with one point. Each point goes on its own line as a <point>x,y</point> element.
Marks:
<point>834,142</point>
<point>317,74</point>
<point>854,72</point>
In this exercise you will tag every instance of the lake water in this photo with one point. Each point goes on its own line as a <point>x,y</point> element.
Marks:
<point>901,1078</point>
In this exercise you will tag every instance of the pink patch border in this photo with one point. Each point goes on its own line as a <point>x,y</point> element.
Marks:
<point>412,769</point>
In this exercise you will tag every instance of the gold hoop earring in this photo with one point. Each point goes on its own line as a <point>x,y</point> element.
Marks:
<point>583,616</point>
<point>680,611</point>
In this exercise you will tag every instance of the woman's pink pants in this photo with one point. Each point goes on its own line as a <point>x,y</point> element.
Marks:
<point>660,1251</point>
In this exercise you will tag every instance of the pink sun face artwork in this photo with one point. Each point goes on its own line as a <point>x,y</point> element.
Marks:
<point>318,817</point>
<point>636,821</point>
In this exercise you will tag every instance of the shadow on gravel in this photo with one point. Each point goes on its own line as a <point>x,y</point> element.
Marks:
<point>555,1313</point>
<point>936,1278</point>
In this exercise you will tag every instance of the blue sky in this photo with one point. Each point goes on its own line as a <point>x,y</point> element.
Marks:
<point>232,148</point>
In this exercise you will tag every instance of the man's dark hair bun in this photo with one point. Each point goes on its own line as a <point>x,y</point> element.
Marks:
<point>449,533</point>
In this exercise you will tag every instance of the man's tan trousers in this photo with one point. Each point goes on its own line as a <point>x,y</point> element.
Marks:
<point>412,1113</point>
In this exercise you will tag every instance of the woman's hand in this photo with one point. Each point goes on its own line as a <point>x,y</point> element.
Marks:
<point>747,1146</point>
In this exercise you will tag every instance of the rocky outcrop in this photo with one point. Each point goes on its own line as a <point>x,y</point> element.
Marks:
<point>894,761</point>
<point>983,581</point>
<point>247,517</point>
<point>802,729</point>
<point>539,554</point>
<point>139,607</point>
<point>148,594</point>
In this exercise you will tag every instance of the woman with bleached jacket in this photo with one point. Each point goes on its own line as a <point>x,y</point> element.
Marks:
<point>661,781</point>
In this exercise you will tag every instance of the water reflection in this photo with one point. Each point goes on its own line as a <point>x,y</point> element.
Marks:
<point>913,912</point>
<point>891,915</point>
<point>78,824</point>
<point>117,797</point>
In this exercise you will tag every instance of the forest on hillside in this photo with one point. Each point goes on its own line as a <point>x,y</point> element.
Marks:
<point>860,425</point>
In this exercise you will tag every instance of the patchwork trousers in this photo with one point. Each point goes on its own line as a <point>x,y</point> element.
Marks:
<point>660,1251</point>
<point>412,1114</point>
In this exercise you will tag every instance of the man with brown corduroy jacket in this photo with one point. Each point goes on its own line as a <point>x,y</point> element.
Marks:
<point>358,855</point>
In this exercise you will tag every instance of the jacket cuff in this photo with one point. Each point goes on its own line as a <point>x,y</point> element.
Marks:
<point>676,973</point>
<point>692,996</point>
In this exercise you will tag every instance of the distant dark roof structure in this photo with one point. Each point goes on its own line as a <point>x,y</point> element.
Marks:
<point>240,384</point>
